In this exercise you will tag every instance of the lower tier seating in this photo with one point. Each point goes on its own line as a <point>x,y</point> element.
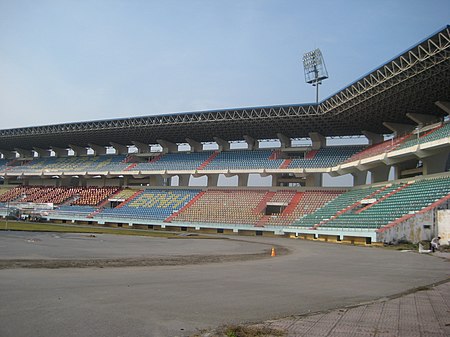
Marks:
<point>81,196</point>
<point>153,204</point>
<point>391,202</point>
<point>309,202</point>
<point>225,206</point>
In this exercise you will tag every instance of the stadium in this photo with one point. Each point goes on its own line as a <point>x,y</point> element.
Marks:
<point>138,172</point>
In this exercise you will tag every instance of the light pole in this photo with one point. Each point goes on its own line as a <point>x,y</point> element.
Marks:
<point>7,214</point>
<point>315,70</point>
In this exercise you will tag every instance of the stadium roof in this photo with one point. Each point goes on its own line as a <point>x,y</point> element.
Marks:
<point>409,83</point>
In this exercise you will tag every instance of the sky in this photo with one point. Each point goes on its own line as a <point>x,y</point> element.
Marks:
<point>68,61</point>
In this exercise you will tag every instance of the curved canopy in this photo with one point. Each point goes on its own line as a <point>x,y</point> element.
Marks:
<point>410,83</point>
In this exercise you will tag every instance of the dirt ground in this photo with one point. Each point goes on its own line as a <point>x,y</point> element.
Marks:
<point>136,262</point>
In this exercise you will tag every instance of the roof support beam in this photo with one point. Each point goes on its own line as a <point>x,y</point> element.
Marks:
<point>318,141</point>
<point>78,150</point>
<point>98,149</point>
<point>374,138</point>
<point>422,119</point>
<point>399,129</point>
<point>8,154</point>
<point>251,142</point>
<point>24,153</point>
<point>120,149</point>
<point>285,140</point>
<point>223,144</point>
<point>142,148</point>
<point>59,152</point>
<point>42,153</point>
<point>195,146</point>
<point>444,106</point>
<point>167,146</point>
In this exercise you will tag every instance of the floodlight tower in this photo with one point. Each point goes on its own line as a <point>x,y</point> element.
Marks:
<point>315,70</point>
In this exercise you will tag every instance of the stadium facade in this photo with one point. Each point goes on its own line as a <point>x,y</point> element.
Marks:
<point>119,172</point>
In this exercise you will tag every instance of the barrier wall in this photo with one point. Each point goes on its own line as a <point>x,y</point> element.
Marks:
<point>418,228</point>
<point>443,224</point>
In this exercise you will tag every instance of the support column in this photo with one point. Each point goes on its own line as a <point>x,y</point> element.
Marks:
<point>8,154</point>
<point>78,150</point>
<point>59,152</point>
<point>404,166</point>
<point>98,149</point>
<point>167,180</point>
<point>120,149</point>
<point>242,179</point>
<point>359,178</point>
<point>141,147</point>
<point>285,140</point>
<point>380,173</point>
<point>156,180</point>
<point>252,143</point>
<point>421,119</point>
<point>436,163</point>
<point>223,144</point>
<point>183,179</point>
<point>24,153</point>
<point>374,138</point>
<point>399,129</point>
<point>83,182</point>
<point>195,146</point>
<point>167,146</point>
<point>212,180</point>
<point>318,141</point>
<point>444,105</point>
<point>314,180</point>
<point>275,178</point>
<point>42,153</point>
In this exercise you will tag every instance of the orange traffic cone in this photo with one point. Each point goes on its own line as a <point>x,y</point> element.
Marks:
<point>273,252</point>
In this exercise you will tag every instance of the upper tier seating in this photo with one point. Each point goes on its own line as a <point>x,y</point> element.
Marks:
<point>73,164</point>
<point>175,161</point>
<point>225,206</point>
<point>377,149</point>
<point>327,157</point>
<point>412,198</point>
<point>435,134</point>
<point>244,159</point>
<point>153,204</point>
<point>3,164</point>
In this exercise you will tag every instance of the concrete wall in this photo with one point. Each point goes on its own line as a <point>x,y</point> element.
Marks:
<point>443,224</point>
<point>415,229</point>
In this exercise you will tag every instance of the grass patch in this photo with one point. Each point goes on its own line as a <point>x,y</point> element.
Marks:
<point>252,331</point>
<point>47,227</point>
<point>403,246</point>
<point>243,331</point>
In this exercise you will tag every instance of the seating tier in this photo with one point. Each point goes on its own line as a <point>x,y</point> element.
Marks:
<point>225,206</point>
<point>153,204</point>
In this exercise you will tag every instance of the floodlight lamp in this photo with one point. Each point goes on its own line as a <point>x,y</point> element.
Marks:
<point>315,70</point>
<point>314,66</point>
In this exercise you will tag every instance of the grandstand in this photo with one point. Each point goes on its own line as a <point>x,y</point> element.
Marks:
<point>140,171</point>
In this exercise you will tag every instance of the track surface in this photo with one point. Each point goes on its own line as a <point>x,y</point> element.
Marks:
<point>179,300</point>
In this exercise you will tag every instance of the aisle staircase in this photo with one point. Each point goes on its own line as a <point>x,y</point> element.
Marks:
<point>189,204</point>
<point>207,161</point>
